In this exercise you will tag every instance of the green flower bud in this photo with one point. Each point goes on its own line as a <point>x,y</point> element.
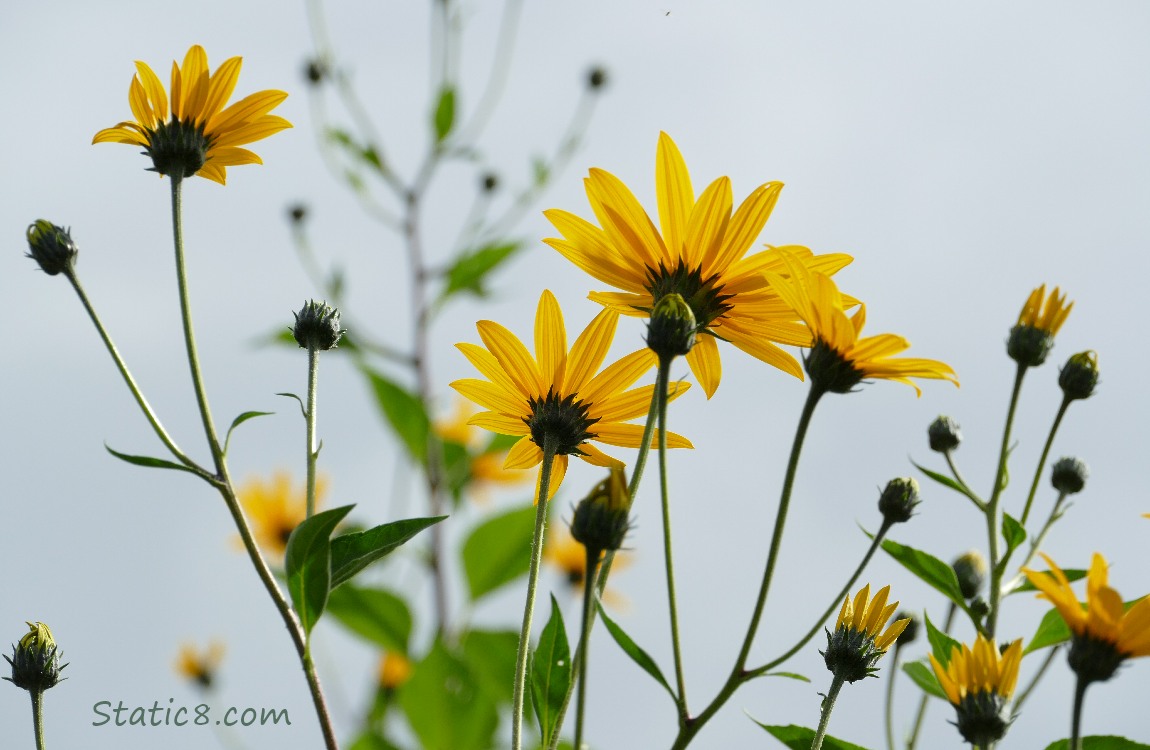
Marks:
<point>600,522</point>
<point>1080,375</point>
<point>970,569</point>
<point>979,608</point>
<point>671,331</point>
<point>1068,475</point>
<point>897,502</point>
<point>35,660</point>
<point>317,326</point>
<point>944,434</point>
<point>596,78</point>
<point>52,247</point>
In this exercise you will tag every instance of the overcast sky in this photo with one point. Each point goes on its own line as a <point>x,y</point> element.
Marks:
<point>963,154</point>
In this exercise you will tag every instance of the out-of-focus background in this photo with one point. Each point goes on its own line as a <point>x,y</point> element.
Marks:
<point>963,154</point>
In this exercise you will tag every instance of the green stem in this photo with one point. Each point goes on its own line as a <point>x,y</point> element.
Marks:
<point>1076,722</point>
<point>923,701</point>
<point>549,447</point>
<point>1022,696</point>
<point>992,508</point>
<point>312,447</point>
<point>584,643</point>
<point>739,674</point>
<point>970,494</point>
<point>38,716</point>
<point>1042,461</point>
<point>828,706</point>
<point>888,706</point>
<point>661,383</point>
<point>145,407</point>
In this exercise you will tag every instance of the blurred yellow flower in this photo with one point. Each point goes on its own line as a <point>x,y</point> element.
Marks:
<point>983,669</point>
<point>394,670</point>
<point>200,666</point>
<point>697,252</point>
<point>275,508</point>
<point>484,464</point>
<point>202,137</point>
<point>569,558</point>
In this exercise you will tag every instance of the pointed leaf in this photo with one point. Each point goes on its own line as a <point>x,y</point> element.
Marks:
<point>788,675</point>
<point>155,463</point>
<point>550,673</point>
<point>470,270</point>
<point>941,644</point>
<point>351,553</point>
<point>498,551</point>
<point>1012,532</point>
<point>239,421</point>
<point>924,677</point>
<point>1101,742</point>
<point>444,113</point>
<point>637,654</point>
<point>373,613</point>
<point>801,738</point>
<point>927,567</point>
<point>302,407</point>
<point>942,479</point>
<point>307,564</point>
<point>1051,631</point>
<point>403,411</point>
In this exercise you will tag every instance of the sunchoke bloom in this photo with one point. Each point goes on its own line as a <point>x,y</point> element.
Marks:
<point>275,508</point>
<point>35,660</point>
<point>200,666</point>
<point>840,358</point>
<point>979,683</point>
<point>556,396</point>
<point>697,251</point>
<point>858,641</point>
<point>1041,317</point>
<point>201,137</point>
<point>1104,633</point>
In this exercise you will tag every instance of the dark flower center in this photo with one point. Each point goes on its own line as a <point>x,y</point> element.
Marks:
<point>980,720</point>
<point>562,419</point>
<point>1093,659</point>
<point>178,148</point>
<point>704,296</point>
<point>830,370</point>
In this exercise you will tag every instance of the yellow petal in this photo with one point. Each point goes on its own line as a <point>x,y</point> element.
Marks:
<point>618,376</point>
<point>514,358</point>
<point>589,350</point>
<point>676,198</point>
<point>705,363</point>
<point>550,340</point>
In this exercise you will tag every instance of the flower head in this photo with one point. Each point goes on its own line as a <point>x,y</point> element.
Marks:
<point>1041,317</point>
<point>556,394</point>
<point>970,570</point>
<point>35,660</point>
<point>840,359</point>
<point>979,683</point>
<point>317,326</point>
<point>600,520</point>
<point>697,251</point>
<point>200,666</point>
<point>855,645</point>
<point>51,247</point>
<point>944,434</point>
<point>899,499</point>
<point>1104,633</point>
<point>275,509</point>
<point>201,137</point>
<point>1079,377</point>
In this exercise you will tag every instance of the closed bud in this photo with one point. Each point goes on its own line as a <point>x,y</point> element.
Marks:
<point>489,182</point>
<point>596,78</point>
<point>944,435</point>
<point>910,632</point>
<point>979,608</point>
<point>671,331</point>
<point>1068,475</point>
<point>315,71</point>
<point>317,326</point>
<point>970,570</point>
<point>35,660</point>
<point>897,502</point>
<point>297,213</point>
<point>52,247</point>
<point>1079,376</point>
<point>600,521</point>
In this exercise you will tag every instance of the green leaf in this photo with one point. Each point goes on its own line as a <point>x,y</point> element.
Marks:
<point>498,551</point>
<point>1012,532</point>
<point>456,468</point>
<point>637,654</point>
<point>942,479</point>
<point>1051,631</point>
<point>1101,742</point>
<point>375,614</point>
<point>307,564</point>
<point>550,673</point>
<point>788,675</point>
<point>444,113</point>
<point>351,553</point>
<point>302,407</point>
<point>371,741</point>
<point>924,677</point>
<point>404,412</point>
<point>491,657</point>
<point>155,463</point>
<point>239,421</point>
<point>1072,574</point>
<point>445,706</point>
<point>801,738</point>
<point>470,270</point>
<point>941,644</point>
<point>927,567</point>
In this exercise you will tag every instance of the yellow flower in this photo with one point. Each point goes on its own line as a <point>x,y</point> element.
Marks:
<point>394,670</point>
<point>856,643</point>
<point>699,254</point>
<point>556,394</point>
<point>484,464</point>
<point>979,684</point>
<point>275,508</point>
<point>569,558</point>
<point>1046,313</point>
<point>1105,619</point>
<point>840,359</point>
<point>200,666</point>
<point>202,137</point>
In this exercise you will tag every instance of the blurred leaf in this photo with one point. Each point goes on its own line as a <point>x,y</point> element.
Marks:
<point>927,567</point>
<point>239,421</point>
<point>404,412</point>
<point>351,553</point>
<point>540,171</point>
<point>801,738</point>
<point>941,644</point>
<point>923,676</point>
<point>550,673</point>
<point>456,468</point>
<point>637,654</point>
<point>444,705</point>
<point>371,741</point>
<point>1072,574</point>
<point>498,551</point>
<point>375,614</point>
<point>1101,742</point>
<point>1012,532</point>
<point>361,153</point>
<point>155,463</point>
<point>444,113</point>
<point>1051,631</point>
<point>307,564</point>
<point>490,654</point>
<point>470,270</point>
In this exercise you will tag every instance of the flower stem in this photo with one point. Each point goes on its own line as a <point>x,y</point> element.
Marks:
<point>312,448</point>
<point>1016,708</point>
<point>1042,461</point>
<point>828,706</point>
<point>549,447</point>
<point>38,716</point>
<point>923,702</point>
<point>992,507</point>
<point>584,642</point>
<point>1076,722</point>
<point>888,704</point>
